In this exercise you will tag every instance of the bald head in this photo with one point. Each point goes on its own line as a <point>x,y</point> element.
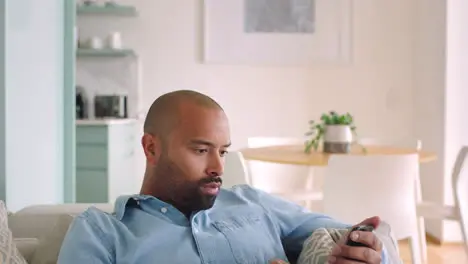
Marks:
<point>165,110</point>
<point>186,138</point>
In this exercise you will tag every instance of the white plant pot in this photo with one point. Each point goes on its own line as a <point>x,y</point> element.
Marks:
<point>337,139</point>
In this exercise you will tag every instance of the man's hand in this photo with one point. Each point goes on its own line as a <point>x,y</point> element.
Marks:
<point>277,261</point>
<point>344,254</point>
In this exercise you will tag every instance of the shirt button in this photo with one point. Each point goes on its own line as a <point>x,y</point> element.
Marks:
<point>164,210</point>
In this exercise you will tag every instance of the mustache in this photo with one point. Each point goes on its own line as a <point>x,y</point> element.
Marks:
<point>207,180</point>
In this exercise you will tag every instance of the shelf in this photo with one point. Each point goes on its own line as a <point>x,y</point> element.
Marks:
<point>104,52</point>
<point>104,121</point>
<point>109,10</point>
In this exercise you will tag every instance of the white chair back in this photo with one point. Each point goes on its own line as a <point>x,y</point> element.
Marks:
<point>235,169</point>
<point>271,177</point>
<point>359,186</point>
<point>402,143</point>
<point>460,191</point>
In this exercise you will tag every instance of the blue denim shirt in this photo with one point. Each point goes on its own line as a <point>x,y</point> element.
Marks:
<point>244,226</point>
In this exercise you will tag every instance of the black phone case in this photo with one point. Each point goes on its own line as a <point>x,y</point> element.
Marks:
<point>365,228</point>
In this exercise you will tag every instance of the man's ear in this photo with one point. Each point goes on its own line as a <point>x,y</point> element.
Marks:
<point>151,147</point>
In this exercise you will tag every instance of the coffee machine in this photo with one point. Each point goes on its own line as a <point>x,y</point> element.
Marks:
<point>111,106</point>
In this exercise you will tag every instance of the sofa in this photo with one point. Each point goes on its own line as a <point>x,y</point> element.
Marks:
<point>38,231</point>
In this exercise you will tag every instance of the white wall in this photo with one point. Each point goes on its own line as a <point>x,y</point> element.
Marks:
<point>440,94</point>
<point>34,103</point>
<point>377,88</point>
<point>455,96</point>
<point>456,126</point>
<point>429,83</point>
<point>269,101</point>
<point>395,87</point>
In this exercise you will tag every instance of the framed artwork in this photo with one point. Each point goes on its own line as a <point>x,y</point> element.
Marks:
<point>277,32</point>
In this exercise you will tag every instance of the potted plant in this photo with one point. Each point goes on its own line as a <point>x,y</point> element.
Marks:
<point>335,130</point>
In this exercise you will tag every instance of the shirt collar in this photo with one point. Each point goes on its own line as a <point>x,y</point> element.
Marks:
<point>125,201</point>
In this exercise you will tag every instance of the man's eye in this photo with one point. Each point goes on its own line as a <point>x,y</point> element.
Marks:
<point>223,153</point>
<point>201,151</point>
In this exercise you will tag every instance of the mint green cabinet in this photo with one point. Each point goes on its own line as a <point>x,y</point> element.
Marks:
<point>105,160</point>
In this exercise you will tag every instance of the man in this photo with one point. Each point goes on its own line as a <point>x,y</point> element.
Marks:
<point>183,216</point>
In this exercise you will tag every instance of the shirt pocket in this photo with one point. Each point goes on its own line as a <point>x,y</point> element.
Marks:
<point>250,239</point>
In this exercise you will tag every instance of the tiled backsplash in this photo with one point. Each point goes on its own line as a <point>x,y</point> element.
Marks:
<point>102,75</point>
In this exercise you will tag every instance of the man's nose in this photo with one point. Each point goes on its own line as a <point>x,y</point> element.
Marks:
<point>216,166</point>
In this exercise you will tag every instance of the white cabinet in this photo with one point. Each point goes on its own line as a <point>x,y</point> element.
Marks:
<point>105,160</point>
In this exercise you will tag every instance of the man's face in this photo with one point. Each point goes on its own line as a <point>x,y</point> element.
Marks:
<point>192,157</point>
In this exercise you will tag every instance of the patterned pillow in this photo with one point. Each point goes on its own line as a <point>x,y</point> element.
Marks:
<point>9,253</point>
<point>319,245</point>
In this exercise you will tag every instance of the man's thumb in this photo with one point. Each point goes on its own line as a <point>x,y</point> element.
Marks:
<point>373,221</point>
<point>278,261</point>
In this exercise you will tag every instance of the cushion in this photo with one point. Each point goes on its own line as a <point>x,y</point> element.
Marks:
<point>56,209</point>
<point>385,234</point>
<point>9,253</point>
<point>27,247</point>
<point>49,245</point>
<point>39,220</point>
<point>320,243</point>
<point>32,226</point>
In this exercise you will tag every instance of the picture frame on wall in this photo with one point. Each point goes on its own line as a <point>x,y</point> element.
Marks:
<point>277,32</point>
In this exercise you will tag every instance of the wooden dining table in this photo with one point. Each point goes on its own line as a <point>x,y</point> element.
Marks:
<point>295,155</point>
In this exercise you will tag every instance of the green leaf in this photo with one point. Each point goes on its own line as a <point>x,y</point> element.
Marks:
<point>350,118</point>
<point>316,145</point>
<point>308,146</point>
<point>335,120</point>
<point>325,118</point>
<point>343,120</point>
<point>317,129</point>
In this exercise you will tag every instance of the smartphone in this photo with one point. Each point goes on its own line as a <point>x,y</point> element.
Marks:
<point>365,228</point>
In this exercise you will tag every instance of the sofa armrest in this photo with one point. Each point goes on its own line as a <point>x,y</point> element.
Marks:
<point>27,247</point>
<point>320,243</point>
<point>385,234</point>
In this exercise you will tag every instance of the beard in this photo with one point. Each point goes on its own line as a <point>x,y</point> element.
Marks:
<point>183,194</point>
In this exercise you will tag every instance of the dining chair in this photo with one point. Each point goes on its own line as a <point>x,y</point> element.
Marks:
<point>412,143</point>
<point>292,182</point>
<point>459,211</point>
<point>417,145</point>
<point>235,170</point>
<point>359,186</point>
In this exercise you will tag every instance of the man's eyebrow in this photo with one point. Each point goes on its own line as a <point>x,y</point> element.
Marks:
<point>206,143</point>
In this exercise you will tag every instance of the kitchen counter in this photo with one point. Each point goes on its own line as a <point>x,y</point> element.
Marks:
<point>106,121</point>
